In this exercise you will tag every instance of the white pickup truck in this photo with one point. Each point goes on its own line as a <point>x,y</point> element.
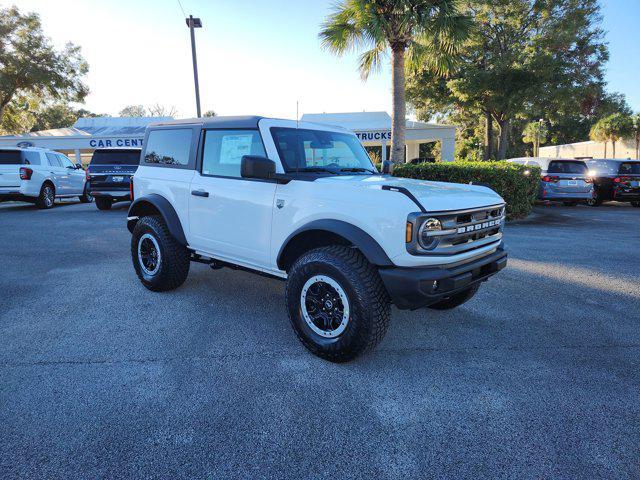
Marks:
<point>39,176</point>
<point>303,202</point>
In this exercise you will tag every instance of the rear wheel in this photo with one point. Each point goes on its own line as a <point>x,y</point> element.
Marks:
<point>635,204</point>
<point>47,196</point>
<point>456,300</point>
<point>596,200</point>
<point>161,263</point>
<point>337,304</point>
<point>86,197</point>
<point>103,203</point>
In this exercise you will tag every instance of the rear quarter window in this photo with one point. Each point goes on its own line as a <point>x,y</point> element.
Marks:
<point>31,158</point>
<point>169,147</point>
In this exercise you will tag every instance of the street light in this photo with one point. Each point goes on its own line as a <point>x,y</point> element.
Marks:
<point>193,23</point>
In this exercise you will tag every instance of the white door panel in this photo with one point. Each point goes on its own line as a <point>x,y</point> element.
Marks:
<point>233,220</point>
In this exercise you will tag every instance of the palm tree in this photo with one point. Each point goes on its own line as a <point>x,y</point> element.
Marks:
<point>611,129</point>
<point>535,133</point>
<point>422,32</point>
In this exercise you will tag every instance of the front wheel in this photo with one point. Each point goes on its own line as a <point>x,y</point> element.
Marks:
<point>456,300</point>
<point>103,203</point>
<point>161,263</point>
<point>337,304</point>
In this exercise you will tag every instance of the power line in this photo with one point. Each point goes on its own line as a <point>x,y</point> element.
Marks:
<point>181,8</point>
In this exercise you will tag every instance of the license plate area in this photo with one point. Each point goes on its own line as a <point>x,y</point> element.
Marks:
<point>572,183</point>
<point>117,178</point>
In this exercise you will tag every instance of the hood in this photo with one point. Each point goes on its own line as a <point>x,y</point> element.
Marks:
<point>434,196</point>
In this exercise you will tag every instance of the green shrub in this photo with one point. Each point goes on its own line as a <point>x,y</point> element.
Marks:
<point>517,184</point>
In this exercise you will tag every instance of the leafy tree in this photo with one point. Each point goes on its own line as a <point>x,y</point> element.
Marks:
<point>133,111</point>
<point>636,133</point>
<point>612,129</point>
<point>523,58</point>
<point>419,31</point>
<point>535,133</point>
<point>31,66</point>
<point>210,113</point>
<point>58,115</point>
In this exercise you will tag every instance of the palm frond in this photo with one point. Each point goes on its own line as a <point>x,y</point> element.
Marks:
<point>371,60</point>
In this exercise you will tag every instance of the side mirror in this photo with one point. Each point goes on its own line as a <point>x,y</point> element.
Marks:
<point>257,167</point>
<point>79,166</point>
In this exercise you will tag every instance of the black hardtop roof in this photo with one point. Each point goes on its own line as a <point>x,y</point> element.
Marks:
<point>245,121</point>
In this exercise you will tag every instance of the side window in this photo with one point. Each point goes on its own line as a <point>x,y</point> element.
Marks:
<point>64,161</point>
<point>169,147</point>
<point>53,160</point>
<point>31,158</point>
<point>224,149</point>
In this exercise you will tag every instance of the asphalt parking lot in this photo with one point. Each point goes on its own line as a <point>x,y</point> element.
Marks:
<point>537,376</point>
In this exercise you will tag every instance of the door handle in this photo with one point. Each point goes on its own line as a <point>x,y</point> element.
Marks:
<point>199,193</point>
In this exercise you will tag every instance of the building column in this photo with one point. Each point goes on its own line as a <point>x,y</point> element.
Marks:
<point>384,151</point>
<point>78,157</point>
<point>413,151</point>
<point>448,146</point>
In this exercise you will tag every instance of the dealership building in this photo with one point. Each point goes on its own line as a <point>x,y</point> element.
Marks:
<point>372,128</point>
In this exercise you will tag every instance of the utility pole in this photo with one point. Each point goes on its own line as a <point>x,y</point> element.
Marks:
<point>194,23</point>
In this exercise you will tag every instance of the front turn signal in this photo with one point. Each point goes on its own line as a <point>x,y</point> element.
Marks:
<point>409,232</point>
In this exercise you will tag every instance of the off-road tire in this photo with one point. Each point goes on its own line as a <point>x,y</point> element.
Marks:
<point>635,204</point>
<point>86,196</point>
<point>103,203</point>
<point>47,196</point>
<point>369,304</point>
<point>174,258</point>
<point>457,299</point>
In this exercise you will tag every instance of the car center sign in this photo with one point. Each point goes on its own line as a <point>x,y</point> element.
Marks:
<point>115,142</point>
<point>374,136</point>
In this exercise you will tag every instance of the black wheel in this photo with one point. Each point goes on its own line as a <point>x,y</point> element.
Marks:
<point>161,263</point>
<point>103,203</point>
<point>635,204</point>
<point>337,304</point>
<point>596,200</point>
<point>570,204</point>
<point>47,196</point>
<point>457,299</point>
<point>86,197</point>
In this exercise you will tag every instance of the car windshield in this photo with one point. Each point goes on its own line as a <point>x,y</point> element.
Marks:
<point>567,167</point>
<point>116,157</point>
<point>603,167</point>
<point>629,168</point>
<point>321,151</point>
<point>10,157</point>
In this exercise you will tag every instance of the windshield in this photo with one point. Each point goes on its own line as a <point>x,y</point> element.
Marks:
<point>10,157</point>
<point>116,157</point>
<point>321,151</point>
<point>629,168</point>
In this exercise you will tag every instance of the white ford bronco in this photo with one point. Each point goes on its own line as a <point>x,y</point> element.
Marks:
<point>303,202</point>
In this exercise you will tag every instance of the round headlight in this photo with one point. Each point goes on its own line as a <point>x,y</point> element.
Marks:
<point>429,225</point>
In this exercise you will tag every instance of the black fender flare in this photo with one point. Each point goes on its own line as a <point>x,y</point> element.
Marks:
<point>355,235</point>
<point>163,206</point>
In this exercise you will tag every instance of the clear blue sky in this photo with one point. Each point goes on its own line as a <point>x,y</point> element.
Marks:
<point>255,56</point>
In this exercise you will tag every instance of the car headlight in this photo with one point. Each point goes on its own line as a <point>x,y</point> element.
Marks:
<point>428,233</point>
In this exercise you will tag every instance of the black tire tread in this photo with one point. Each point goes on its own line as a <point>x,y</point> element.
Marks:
<point>371,292</point>
<point>40,203</point>
<point>175,257</point>
<point>103,204</point>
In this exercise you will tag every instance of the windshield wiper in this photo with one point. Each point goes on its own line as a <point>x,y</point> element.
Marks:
<point>357,169</point>
<point>316,169</point>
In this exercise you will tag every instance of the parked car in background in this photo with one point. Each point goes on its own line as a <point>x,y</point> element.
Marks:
<point>40,176</point>
<point>615,180</point>
<point>109,174</point>
<point>542,162</point>
<point>567,181</point>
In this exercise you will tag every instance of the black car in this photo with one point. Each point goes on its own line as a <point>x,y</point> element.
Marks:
<point>615,180</point>
<point>109,174</point>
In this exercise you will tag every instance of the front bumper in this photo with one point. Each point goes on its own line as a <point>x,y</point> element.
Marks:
<point>411,288</point>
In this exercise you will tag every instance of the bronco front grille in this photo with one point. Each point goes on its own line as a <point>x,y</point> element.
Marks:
<point>461,231</point>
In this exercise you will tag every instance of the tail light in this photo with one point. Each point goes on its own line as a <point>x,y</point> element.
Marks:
<point>86,174</point>
<point>588,179</point>
<point>25,173</point>
<point>624,180</point>
<point>550,179</point>
<point>131,187</point>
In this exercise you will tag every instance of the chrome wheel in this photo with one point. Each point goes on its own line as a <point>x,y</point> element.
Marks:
<point>149,254</point>
<point>49,196</point>
<point>325,306</point>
